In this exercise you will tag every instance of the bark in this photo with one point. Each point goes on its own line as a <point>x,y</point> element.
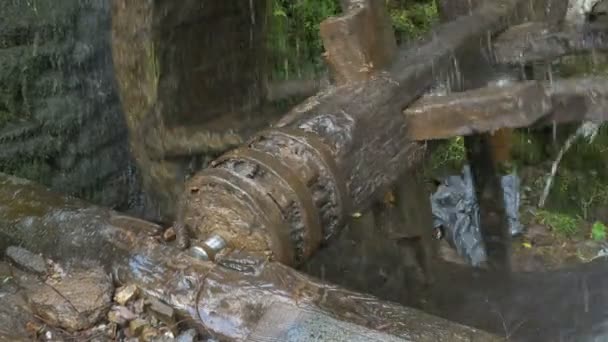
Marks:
<point>235,299</point>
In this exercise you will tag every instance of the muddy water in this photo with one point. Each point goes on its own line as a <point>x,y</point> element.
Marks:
<point>570,304</point>
<point>558,299</point>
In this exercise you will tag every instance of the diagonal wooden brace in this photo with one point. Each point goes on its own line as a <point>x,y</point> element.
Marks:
<point>518,105</point>
<point>538,41</point>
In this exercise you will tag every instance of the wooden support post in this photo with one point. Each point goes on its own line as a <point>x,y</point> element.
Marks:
<point>482,157</point>
<point>359,44</point>
<point>493,219</point>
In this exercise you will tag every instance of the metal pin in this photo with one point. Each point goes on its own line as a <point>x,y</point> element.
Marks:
<point>209,248</point>
<point>215,243</point>
<point>199,253</point>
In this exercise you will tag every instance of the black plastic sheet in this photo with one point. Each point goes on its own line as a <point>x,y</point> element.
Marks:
<point>455,208</point>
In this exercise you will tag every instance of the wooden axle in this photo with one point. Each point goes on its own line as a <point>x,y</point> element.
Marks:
<point>342,146</point>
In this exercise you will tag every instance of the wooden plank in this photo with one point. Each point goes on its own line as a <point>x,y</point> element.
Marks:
<point>477,111</point>
<point>359,42</point>
<point>577,99</point>
<point>519,105</point>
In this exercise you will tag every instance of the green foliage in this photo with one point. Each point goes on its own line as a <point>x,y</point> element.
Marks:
<point>451,154</point>
<point>562,224</point>
<point>598,231</point>
<point>294,36</point>
<point>527,149</point>
<point>294,39</point>
<point>412,19</point>
<point>581,183</point>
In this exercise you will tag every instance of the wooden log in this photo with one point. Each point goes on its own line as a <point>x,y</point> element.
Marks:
<point>235,299</point>
<point>537,42</point>
<point>345,116</point>
<point>345,145</point>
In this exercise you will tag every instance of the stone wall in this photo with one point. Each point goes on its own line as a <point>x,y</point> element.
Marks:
<point>60,117</point>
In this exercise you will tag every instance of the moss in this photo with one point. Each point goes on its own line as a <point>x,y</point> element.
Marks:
<point>6,117</point>
<point>598,231</point>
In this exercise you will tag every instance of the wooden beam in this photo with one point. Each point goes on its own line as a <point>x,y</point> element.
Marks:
<point>477,111</point>
<point>360,42</point>
<point>539,41</point>
<point>518,105</point>
<point>577,99</point>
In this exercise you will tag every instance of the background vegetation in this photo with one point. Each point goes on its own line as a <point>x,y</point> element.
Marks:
<point>294,39</point>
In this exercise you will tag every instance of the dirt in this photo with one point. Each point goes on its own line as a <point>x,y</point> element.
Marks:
<point>74,303</point>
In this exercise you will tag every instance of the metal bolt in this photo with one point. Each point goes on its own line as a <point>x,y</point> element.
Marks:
<point>215,243</point>
<point>199,253</point>
<point>209,248</point>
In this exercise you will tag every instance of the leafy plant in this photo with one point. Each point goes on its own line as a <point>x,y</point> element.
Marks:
<point>563,224</point>
<point>598,231</point>
<point>410,20</point>
<point>294,36</point>
<point>452,154</point>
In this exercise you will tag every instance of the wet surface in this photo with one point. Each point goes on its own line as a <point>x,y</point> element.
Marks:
<point>557,291</point>
<point>563,305</point>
